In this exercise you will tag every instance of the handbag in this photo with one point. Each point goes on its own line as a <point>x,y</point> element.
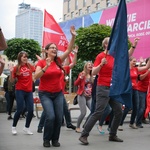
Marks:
<point>75,101</point>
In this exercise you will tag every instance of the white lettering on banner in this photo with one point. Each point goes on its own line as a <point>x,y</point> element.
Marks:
<point>133,25</point>
<point>62,42</point>
<point>147,33</point>
<point>143,25</point>
<point>131,17</point>
<point>131,35</point>
<point>63,38</point>
<point>110,22</point>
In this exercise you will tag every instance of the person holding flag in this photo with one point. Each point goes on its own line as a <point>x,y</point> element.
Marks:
<point>106,66</point>
<point>49,70</point>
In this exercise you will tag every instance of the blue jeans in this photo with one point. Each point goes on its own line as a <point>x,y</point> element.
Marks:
<point>23,98</point>
<point>53,108</point>
<point>42,121</point>
<point>135,105</point>
<point>66,113</point>
<point>142,105</point>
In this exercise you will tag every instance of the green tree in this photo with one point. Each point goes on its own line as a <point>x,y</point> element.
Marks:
<point>90,39</point>
<point>17,45</point>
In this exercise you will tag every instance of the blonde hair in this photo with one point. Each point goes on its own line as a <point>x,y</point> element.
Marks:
<point>104,42</point>
<point>86,72</point>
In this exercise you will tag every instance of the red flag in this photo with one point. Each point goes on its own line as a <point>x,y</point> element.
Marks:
<point>53,33</point>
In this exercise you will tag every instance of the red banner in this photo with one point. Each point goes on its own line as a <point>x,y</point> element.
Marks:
<point>53,33</point>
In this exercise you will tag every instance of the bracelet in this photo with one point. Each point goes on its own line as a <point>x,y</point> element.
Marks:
<point>43,71</point>
<point>133,47</point>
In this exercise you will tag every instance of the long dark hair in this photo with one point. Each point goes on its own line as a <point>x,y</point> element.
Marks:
<point>55,58</point>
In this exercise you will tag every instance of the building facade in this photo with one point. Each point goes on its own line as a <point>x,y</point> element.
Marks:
<point>76,8</point>
<point>29,23</point>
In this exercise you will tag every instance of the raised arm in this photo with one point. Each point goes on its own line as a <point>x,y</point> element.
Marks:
<point>74,60</point>
<point>131,50</point>
<point>71,43</point>
<point>3,44</point>
<point>147,66</point>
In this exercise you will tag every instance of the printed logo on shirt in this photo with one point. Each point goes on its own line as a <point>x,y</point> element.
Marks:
<point>25,71</point>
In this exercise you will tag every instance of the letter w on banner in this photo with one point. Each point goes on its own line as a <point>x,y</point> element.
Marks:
<point>121,88</point>
<point>53,33</point>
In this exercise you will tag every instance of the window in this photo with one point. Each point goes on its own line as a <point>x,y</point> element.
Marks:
<point>64,17</point>
<point>98,6</point>
<point>108,3</point>
<point>80,12</point>
<point>93,1</point>
<point>84,3</point>
<point>76,4</point>
<point>68,6</point>
<point>72,14</point>
<point>88,9</point>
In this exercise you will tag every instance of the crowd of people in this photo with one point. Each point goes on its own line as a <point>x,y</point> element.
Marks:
<point>93,86</point>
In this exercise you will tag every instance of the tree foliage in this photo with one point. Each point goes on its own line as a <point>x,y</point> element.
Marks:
<point>17,45</point>
<point>89,40</point>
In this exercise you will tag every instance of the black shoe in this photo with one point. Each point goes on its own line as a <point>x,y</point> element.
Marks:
<point>55,143</point>
<point>9,117</point>
<point>84,140</point>
<point>71,126</point>
<point>114,138</point>
<point>139,126</point>
<point>46,144</point>
<point>39,130</point>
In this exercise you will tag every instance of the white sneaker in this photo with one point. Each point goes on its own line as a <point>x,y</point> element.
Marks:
<point>27,131</point>
<point>120,128</point>
<point>13,130</point>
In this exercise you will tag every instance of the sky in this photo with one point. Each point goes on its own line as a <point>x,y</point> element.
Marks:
<point>9,10</point>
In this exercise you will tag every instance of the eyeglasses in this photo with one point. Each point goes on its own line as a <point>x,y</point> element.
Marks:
<point>53,48</point>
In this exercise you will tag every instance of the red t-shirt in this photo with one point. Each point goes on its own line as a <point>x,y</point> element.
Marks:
<point>143,84</point>
<point>50,81</point>
<point>105,74</point>
<point>63,83</point>
<point>134,75</point>
<point>25,78</point>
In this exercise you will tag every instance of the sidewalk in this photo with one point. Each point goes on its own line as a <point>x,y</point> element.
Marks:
<point>134,139</point>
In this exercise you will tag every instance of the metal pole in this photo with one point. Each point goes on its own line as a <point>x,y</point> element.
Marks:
<point>70,81</point>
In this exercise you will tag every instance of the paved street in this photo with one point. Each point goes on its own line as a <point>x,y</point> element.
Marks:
<point>134,139</point>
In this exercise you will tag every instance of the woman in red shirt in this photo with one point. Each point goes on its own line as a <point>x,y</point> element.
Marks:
<point>49,70</point>
<point>22,72</point>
